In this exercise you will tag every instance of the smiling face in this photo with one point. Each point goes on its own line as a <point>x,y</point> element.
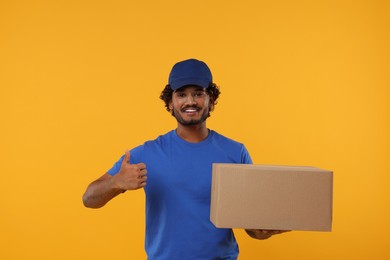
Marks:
<point>190,105</point>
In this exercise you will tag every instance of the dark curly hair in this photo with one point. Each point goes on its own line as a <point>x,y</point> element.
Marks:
<point>212,90</point>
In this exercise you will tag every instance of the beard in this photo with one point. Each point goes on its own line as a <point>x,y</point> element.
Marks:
<point>190,122</point>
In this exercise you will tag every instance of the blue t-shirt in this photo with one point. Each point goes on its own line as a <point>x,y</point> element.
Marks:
<point>178,196</point>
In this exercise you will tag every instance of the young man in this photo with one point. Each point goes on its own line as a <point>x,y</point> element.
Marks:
<point>175,172</point>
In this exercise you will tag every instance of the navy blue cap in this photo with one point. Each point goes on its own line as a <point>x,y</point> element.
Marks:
<point>190,72</point>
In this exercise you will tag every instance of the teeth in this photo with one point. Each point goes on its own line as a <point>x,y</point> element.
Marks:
<point>190,110</point>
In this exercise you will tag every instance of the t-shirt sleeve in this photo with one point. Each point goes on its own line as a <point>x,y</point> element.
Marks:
<point>116,167</point>
<point>245,157</point>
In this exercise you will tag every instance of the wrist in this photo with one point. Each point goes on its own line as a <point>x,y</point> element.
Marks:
<point>115,184</point>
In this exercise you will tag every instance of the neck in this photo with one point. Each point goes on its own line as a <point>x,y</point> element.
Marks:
<point>193,133</point>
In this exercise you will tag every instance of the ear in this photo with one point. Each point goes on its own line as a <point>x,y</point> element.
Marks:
<point>170,105</point>
<point>211,104</point>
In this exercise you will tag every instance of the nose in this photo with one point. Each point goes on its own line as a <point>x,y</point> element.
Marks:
<point>191,100</point>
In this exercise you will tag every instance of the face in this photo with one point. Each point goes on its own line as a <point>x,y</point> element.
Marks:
<point>190,105</point>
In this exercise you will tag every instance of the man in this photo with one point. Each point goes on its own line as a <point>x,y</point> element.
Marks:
<point>175,172</point>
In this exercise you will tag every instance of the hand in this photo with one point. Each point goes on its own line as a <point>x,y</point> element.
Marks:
<point>263,233</point>
<point>130,176</point>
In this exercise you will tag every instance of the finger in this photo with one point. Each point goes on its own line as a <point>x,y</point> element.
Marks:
<point>143,179</point>
<point>127,157</point>
<point>143,172</point>
<point>141,166</point>
<point>276,232</point>
<point>283,231</point>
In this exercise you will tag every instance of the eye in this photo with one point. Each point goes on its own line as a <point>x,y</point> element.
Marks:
<point>199,94</point>
<point>180,94</point>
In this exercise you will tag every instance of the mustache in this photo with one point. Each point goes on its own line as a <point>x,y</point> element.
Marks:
<point>190,107</point>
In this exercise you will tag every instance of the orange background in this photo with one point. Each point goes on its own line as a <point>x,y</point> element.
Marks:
<point>303,83</point>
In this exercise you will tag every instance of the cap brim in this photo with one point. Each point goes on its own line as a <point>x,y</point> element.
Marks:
<point>190,81</point>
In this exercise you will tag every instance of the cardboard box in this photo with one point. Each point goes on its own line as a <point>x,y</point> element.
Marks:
<point>271,197</point>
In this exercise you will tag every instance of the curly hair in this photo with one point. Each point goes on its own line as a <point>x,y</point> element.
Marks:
<point>212,90</point>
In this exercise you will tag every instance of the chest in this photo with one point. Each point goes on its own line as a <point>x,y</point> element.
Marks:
<point>180,173</point>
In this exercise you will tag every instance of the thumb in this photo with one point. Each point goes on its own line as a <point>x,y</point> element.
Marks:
<point>127,157</point>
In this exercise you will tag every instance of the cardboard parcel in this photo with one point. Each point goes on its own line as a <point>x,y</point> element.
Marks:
<point>271,197</point>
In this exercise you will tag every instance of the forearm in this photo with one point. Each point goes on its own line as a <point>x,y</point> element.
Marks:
<point>129,177</point>
<point>100,192</point>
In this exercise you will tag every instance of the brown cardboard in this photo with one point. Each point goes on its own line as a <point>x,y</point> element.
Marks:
<point>271,197</point>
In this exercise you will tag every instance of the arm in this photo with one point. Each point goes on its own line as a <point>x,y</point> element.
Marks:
<point>105,188</point>
<point>101,191</point>
<point>262,234</point>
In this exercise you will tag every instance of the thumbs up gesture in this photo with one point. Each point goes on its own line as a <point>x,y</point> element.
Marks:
<point>131,176</point>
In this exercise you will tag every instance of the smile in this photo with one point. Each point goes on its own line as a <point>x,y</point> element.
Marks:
<point>190,110</point>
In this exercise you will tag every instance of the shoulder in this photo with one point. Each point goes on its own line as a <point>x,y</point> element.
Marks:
<point>160,140</point>
<point>158,143</point>
<point>226,143</point>
<point>224,140</point>
<point>233,148</point>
